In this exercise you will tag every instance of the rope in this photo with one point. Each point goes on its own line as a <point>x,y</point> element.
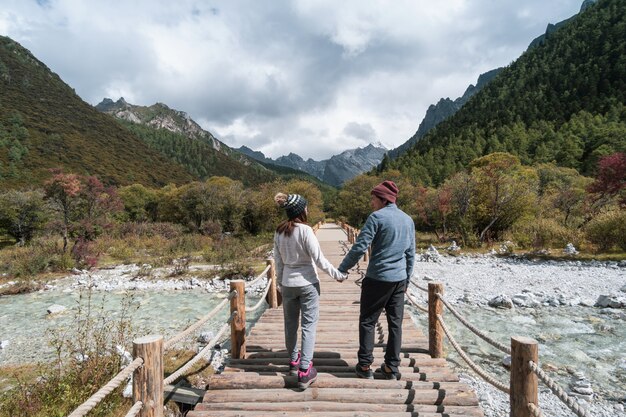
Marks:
<point>418,287</point>
<point>479,333</point>
<point>534,410</point>
<point>93,401</point>
<point>556,389</point>
<point>168,344</point>
<point>262,300</point>
<point>415,303</point>
<point>173,377</point>
<point>472,365</point>
<point>261,276</point>
<point>135,410</point>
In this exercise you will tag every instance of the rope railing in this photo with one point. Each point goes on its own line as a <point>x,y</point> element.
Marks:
<point>557,390</point>
<point>260,277</point>
<point>200,322</point>
<point>95,399</point>
<point>418,286</point>
<point>415,303</point>
<point>262,299</point>
<point>173,377</point>
<point>476,368</point>
<point>135,409</point>
<point>476,331</point>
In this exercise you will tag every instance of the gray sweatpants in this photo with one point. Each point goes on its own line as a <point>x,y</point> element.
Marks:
<point>301,305</point>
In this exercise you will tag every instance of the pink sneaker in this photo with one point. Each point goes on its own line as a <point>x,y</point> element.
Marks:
<point>294,365</point>
<point>306,378</point>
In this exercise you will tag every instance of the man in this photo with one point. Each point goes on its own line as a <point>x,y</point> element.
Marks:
<point>391,234</point>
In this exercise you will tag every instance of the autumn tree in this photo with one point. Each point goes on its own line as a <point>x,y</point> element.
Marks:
<point>82,203</point>
<point>610,180</point>
<point>62,192</point>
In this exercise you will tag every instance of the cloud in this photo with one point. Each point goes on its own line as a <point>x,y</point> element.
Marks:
<point>311,77</point>
<point>360,131</point>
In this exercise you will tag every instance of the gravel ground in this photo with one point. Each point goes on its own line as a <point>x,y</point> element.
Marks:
<point>478,279</point>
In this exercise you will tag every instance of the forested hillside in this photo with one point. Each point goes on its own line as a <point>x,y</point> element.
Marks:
<point>198,157</point>
<point>44,124</point>
<point>562,102</point>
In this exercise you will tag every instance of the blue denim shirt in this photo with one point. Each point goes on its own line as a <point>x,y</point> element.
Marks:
<point>391,233</point>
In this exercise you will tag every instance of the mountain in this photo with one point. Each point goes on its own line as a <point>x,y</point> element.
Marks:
<point>445,108</point>
<point>552,27</point>
<point>160,116</point>
<point>563,101</point>
<point>44,125</point>
<point>335,170</point>
<point>175,134</point>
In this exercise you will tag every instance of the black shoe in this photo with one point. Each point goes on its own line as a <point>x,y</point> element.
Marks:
<point>306,377</point>
<point>387,373</point>
<point>364,373</point>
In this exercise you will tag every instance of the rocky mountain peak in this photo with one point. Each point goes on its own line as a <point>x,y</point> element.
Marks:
<point>336,170</point>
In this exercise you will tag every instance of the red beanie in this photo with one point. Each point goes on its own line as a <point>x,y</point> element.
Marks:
<point>386,190</point>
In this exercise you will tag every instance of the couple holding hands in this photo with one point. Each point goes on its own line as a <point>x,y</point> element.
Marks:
<point>391,234</point>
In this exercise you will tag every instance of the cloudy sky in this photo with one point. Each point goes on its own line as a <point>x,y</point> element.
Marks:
<point>314,77</point>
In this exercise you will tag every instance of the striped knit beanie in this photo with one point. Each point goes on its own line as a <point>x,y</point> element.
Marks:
<point>294,204</point>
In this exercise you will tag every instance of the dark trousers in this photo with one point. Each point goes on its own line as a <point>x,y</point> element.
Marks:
<point>375,296</point>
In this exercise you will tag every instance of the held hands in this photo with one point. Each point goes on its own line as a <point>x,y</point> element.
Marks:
<point>343,277</point>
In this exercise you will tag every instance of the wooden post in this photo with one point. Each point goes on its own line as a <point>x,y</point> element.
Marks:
<point>238,324</point>
<point>271,276</point>
<point>435,331</point>
<point>148,379</point>
<point>523,379</point>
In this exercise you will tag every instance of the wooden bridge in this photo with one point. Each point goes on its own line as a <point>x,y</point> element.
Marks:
<point>259,384</point>
<point>255,381</point>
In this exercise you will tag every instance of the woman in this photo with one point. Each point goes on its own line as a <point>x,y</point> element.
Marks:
<point>296,252</point>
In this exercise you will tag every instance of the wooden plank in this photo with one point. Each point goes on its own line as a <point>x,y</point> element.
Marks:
<point>323,406</point>
<point>345,395</point>
<point>232,413</point>
<point>243,381</point>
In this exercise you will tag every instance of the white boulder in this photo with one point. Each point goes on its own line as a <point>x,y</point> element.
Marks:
<point>501,301</point>
<point>570,249</point>
<point>56,308</point>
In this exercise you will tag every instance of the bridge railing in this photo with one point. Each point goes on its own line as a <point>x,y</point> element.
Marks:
<point>525,372</point>
<point>147,367</point>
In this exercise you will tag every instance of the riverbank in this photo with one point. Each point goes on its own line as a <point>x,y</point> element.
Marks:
<point>561,304</point>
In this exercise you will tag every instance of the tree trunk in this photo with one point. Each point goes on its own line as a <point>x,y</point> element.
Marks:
<point>491,223</point>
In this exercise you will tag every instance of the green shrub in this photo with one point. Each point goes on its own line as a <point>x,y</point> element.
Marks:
<point>543,233</point>
<point>43,255</point>
<point>608,230</point>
